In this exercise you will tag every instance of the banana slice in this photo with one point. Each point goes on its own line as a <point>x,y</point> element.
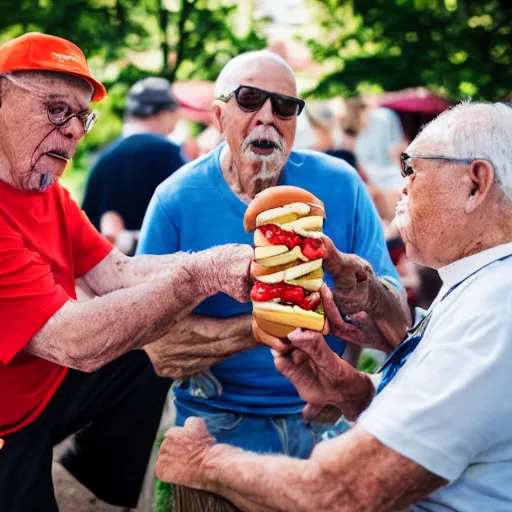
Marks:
<point>268,251</point>
<point>312,285</point>
<point>283,259</point>
<point>279,214</point>
<point>291,273</point>
<point>313,223</point>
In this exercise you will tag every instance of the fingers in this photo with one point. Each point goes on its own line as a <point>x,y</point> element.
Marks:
<point>314,345</point>
<point>196,425</point>
<point>334,259</point>
<point>289,369</point>
<point>331,311</point>
<point>268,339</point>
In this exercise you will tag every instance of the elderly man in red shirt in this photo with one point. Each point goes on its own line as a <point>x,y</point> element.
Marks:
<point>68,366</point>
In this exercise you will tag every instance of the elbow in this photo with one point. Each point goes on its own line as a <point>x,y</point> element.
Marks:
<point>321,488</point>
<point>83,359</point>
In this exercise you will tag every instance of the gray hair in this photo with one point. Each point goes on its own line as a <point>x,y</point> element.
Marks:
<point>231,74</point>
<point>474,130</point>
<point>20,78</point>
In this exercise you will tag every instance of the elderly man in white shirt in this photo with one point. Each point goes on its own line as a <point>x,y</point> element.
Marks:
<point>436,433</point>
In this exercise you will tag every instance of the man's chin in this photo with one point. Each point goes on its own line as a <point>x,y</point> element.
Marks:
<point>39,181</point>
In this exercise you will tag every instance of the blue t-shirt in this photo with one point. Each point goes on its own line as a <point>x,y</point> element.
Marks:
<point>195,209</point>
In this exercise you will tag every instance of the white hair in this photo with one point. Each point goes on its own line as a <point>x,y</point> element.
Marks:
<point>474,130</point>
<point>234,71</point>
<point>29,80</point>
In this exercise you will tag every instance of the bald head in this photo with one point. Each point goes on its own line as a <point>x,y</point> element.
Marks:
<point>247,65</point>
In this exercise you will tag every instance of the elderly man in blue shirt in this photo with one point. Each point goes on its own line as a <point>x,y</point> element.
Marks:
<point>245,400</point>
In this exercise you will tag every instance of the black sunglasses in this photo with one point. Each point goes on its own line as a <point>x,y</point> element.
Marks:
<point>407,170</point>
<point>251,99</point>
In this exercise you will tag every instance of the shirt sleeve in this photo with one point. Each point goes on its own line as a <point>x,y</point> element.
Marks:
<point>450,402</point>
<point>29,296</point>
<point>369,241</point>
<point>159,234</point>
<point>89,246</point>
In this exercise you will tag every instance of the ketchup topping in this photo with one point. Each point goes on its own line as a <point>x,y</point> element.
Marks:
<point>312,248</point>
<point>287,293</point>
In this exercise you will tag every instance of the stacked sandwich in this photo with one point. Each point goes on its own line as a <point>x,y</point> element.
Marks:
<point>287,223</point>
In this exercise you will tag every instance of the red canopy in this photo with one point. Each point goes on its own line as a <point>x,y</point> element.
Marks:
<point>417,100</point>
<point>195,98</point>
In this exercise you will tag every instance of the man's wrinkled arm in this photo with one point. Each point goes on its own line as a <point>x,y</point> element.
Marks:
<point>351,473</point>
<point>88,335</point>
<point>198,342</point>
<point>118,271</point>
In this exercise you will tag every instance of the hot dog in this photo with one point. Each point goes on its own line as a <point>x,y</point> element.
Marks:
<point>287,223</point>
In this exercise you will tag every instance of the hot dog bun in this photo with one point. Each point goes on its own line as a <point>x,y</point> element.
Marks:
<point>275,197</point>
<point>288,263</point>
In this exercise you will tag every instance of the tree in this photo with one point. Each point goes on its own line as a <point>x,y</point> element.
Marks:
<point>458,48</point>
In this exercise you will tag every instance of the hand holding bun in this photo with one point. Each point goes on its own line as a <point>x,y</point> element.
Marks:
<point>287,269</point>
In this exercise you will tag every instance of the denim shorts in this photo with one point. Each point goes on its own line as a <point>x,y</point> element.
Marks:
<point>286,434</point>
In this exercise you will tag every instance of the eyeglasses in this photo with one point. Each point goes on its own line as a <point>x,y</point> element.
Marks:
<point>251,99</point>
<point>407,170</point>
<point>59,116</point>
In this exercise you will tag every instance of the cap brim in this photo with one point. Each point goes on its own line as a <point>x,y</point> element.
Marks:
<point>99,89</point>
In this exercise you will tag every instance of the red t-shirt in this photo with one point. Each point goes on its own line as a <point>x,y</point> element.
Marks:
<point>46,241</point>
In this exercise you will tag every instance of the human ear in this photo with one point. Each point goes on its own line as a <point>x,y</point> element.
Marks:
<point>481,179</point>
<point>217,117</point>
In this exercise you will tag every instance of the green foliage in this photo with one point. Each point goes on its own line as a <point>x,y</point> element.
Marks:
<point>367,363</point>
<point>459,48</point>
<point>162,501</point>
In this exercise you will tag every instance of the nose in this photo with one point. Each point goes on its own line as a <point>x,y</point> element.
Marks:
<point>73,129</point>
<point>265,114</point>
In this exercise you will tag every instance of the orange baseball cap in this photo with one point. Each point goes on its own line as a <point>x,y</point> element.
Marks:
<point>36,51</point>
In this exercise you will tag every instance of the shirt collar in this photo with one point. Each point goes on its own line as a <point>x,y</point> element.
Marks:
<point>458,270</point>
<point>133,128</point>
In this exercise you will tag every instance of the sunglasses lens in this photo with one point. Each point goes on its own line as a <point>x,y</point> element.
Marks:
<point>284,107</point>
<point>250,99</point>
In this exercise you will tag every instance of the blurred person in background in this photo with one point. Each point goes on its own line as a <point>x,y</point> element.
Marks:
<point>351,124</point>
<point>246,401</point>
<point>377,149</point>
<point>125,176</point>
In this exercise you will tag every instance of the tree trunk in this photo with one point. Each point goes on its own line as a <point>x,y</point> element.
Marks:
<point>163,20</point>
<point>192,500</point>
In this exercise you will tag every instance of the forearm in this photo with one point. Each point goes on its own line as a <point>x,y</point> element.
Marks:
<point>262,483</point>
<point>198,342</point>
<point>353,472</point>
<point>88,335</point>
<point>118,271</point>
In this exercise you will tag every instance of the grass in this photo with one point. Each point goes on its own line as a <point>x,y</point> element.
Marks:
<point>162,501</point>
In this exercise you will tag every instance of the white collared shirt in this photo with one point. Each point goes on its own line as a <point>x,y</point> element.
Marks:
<point>449,407</point>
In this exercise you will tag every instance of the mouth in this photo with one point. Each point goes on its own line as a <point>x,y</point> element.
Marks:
<point>263,146</point>
<point>59,155</point>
